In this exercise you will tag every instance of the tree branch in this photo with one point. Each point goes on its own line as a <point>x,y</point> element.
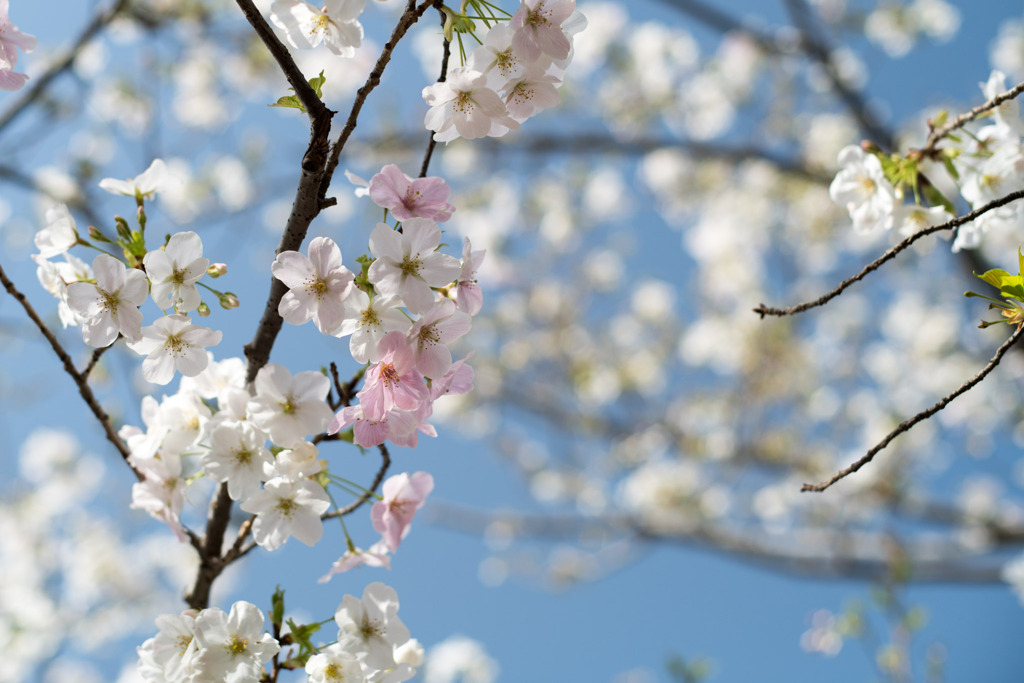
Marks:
<point>906,425</point>
<point>80,379</point>
<point>763,310</point>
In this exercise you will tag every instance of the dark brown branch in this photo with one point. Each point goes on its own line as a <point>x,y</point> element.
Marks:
<point>763,310</point>
<point>937,135</point>
<point>61,64</point>
<point>315,108</point>
<point>368,493</point>
<point>816,48</point>
<point>79,378</point>
<point>210,563</point>
<point>93,360</point>
<point>906,425</point>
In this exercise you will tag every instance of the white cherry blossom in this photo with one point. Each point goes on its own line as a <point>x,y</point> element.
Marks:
<point>287,508</point>
<point>318,285</point>
<point>232,647</point>
<point>172,343</point>
<point>408,264</point>
<point>287,407</point>
<point>175,270</point>
<point>336,25</point>
<point>862,188</point>
<point>60,233</point>
<point>110,306</point>
<point>143,186</point>
<point>463,106</point>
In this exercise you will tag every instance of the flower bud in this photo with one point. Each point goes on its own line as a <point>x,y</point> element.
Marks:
<point>217,269</point>
<point>141,216</point>
<point>228,301</point>
<point>203,310</point>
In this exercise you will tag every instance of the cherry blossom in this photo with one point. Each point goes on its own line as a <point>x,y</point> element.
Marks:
<point>497,58</point>
<point>862,188</point>
<point>175,270</point>
<point>286,508</point>
<point>171,653</point>
<point>407,263</point>
<point>161,493</point>
<point>532,92</point>
<point>60,233</point>
<point>439,326</point>
<point>537,28</point>
<point>407,198</point>
<point>110,306</point>
<point>317,285</point>
<point>237,455</point>
<point>172,343</point>
<point>370,628</point>
<point>336,25</point>
<point>143,186</point>
<point>463,106</point>
<point>403,496</point>
<point>393,382</point>
<point>458,380</point>
<point>368,320</point>
<point>333,665</point>
<point>232,647</point>
<point>398,425</point>
<point>287,407</point>
<point>468,296</point>
<point>376,556</point>
<point>10,40</point>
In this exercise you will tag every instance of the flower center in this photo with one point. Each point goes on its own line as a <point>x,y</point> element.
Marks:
<point>236,645</point>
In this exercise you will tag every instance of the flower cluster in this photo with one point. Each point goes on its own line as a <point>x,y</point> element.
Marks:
<point>985,165</point>
<point>513,75</point>
<point>105,299</point>
<point>410,363</point>
<point>210,645</point>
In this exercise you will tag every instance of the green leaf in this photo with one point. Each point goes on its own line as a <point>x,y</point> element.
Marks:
<point>994,277</point>
<point>277,607</point>
<point>290,101</point>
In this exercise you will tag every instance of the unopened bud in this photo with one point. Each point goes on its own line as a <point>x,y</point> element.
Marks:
<point>217,269</point>
<point>123,231</point>
<point>141,215</point>
<point>96,235</point>
<point>203,310</point>
<point>228,300</point>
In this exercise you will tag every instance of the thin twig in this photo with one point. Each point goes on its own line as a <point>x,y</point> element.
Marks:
<point>93,360</point>
<point>959,122</point>
<point>411,15</point>
<point>431,142</point>
<point>906,425</point>
<point>60,65</point>
<point>69,367</point>
<point>763,310</point>
<point>368,493</point>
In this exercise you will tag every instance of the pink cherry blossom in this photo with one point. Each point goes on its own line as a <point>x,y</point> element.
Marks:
<point>376,556</point>
<point>407,198</point>
<point>537,27</point>
<point>10,40</point>
<point>458,380</point>
<point>397,427</point>
<point>468,296</point>
<point>393,382</point>
<point>440,325</point>
<point>317,285</point>
<point>403,496</point>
